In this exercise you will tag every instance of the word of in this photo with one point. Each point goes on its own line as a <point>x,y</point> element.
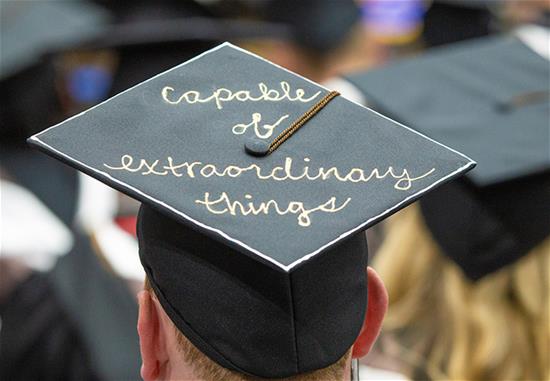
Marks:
<point>241,128</point>
<point>222,95</point>
<point>287,171</point>
<point>223,205</point>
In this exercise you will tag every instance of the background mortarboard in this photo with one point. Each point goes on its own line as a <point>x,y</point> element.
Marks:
<point>32,28</point>
<point>488,98</point>
<point>448,21</point>
<point>281,290</point>
<point>329,22</point>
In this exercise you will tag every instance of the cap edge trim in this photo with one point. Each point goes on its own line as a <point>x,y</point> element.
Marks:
<point>287,268</point>
<point>103,175</point>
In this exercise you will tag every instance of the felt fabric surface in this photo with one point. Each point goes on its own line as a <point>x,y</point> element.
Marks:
<point>458,95</point>
<point>345,170</point>
<point>484,230</point>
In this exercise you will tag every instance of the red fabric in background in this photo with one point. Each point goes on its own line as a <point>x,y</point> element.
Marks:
<point>127,223</point>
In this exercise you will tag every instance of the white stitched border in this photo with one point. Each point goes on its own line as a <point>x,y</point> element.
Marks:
<point>220,232</point>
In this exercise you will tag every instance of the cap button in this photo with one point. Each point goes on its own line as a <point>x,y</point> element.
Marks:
<point>256,147</point>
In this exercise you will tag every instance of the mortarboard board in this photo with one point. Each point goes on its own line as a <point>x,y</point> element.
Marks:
<point>488,98</point>
<point>255,183</point>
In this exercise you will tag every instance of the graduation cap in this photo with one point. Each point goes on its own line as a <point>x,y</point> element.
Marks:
<point>30,29</point>
<point>329,22</point>
<point>489,99</point>
<point>256,185</point>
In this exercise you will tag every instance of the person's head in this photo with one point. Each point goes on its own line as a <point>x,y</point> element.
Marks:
<point>494,328</point>
<point>168,355</point>
<point>210,313</point>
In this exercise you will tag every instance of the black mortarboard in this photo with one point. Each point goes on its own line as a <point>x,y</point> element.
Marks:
<point>448,21</point>
<point>329,22</point>
<point>489,99</point>
<point>250,236</point>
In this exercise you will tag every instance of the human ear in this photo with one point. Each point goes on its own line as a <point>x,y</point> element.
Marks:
<point>148,329</point>
<point>376,310</point>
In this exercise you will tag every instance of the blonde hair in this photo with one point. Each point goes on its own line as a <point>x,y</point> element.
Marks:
<point>494,329</point>
<point>208,370</point>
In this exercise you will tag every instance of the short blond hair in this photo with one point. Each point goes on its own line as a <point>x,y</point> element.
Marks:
<point>208,370</point>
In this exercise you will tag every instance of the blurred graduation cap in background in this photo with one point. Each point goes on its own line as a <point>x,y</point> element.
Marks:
<point>318,25</point>
<point>256,186</point>
<point>448,21</point>
<point>30,29</point>
<point>150,37</point>
<point>488,98</point>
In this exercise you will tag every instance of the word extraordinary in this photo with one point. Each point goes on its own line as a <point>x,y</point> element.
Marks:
<point>287,171</point>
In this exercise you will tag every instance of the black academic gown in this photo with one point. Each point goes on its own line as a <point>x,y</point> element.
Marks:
<point>76,322</point>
